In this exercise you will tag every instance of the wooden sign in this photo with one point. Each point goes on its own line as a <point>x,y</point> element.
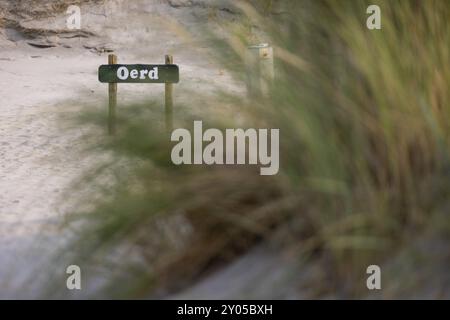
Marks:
<point>138,73</point>
<point>113,73</point>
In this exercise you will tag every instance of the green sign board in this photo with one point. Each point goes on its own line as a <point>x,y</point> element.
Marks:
<point>138,73</point>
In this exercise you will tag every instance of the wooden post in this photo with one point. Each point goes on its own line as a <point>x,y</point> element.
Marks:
<point>169,100</point>
<point>112,95</point>
<point>260,70</point>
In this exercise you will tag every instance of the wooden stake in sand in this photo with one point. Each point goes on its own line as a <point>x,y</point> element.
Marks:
<point>259,69</point>
<point>169,100</point>
<point>113,73</point>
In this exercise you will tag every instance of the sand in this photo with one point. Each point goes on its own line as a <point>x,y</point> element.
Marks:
<point>48,73</point>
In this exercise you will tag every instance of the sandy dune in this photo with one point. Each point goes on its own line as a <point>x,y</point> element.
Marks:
<point>38,156</point>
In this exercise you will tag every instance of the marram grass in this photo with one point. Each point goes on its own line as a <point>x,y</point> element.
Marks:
<point>364,124</point>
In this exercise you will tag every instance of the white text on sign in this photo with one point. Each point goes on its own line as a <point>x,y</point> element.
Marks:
<point>123,73</point>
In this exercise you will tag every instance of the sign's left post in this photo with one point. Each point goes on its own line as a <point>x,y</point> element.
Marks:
<point>112,94</point>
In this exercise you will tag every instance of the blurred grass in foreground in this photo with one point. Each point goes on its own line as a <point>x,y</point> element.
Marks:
<point>363,118</point>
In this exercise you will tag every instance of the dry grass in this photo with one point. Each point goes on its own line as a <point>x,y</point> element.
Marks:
<point>364,148</point>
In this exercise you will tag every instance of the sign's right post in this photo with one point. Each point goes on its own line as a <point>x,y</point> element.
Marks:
<point>169,100</point>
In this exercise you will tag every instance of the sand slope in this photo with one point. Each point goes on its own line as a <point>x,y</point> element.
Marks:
<point>48,72</point>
